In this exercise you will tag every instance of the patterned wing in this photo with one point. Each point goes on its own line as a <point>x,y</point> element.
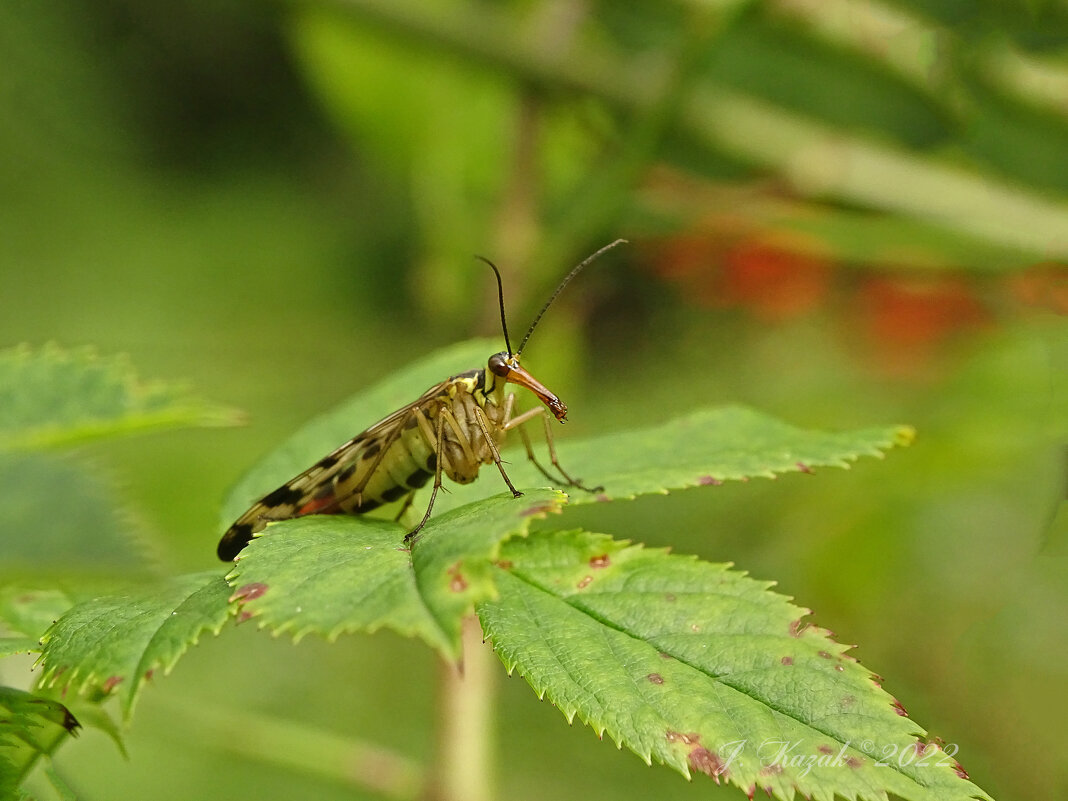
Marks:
<point>326,486</point>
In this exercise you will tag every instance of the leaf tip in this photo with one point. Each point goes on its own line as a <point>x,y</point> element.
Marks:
<point>904,436</point>
<point>699,758</point>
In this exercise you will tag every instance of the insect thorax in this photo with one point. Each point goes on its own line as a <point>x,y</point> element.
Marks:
<point>467,395</point>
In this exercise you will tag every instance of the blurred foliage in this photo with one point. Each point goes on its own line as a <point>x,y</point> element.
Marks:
<point>846,213</point>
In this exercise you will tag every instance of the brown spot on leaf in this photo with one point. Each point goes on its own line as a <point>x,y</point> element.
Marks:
<point>457,582</point>
<point>839,668</point>
<point>960,771</point>
<point>149,674</point>
<point>585,582</point>
<point>707,762</point>
<point>669,597</point>
<point>774,769</point>
<point>538,509</point>
<point>825,749</point>
<point>797,628</point>
<point>504,564</point>
<point>708,481</point>
<point>249,592</point>
<point>600,561</point>
<point>898,708</point>
<point>243,616</point>
<point>787,660</point>
<point>655,678</point>
<point>848,701</point>
<point>804,468</point>
<point>854,762</point>
<point>825,654</point>
<point>666,656</point>
<point>602,498</point>
<point>111,683</point>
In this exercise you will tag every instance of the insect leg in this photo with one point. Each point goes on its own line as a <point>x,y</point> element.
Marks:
<point>413,535</point>
<point>534,459</point>
<point>481,418</point>
<point>574,482</point>
<point>517,422</point>
<point>539,411</point>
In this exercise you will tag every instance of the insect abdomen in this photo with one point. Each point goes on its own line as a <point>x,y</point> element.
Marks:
<point>407,465</point>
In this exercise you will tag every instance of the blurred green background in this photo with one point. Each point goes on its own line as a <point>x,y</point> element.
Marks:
<point>844,213</point>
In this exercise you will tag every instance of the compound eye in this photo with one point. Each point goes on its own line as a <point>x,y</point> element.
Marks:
<point>498,365</point>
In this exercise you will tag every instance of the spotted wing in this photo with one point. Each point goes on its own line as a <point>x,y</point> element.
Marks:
<point>315,491</point>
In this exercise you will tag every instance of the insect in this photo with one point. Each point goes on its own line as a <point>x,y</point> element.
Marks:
<point>453,428</point>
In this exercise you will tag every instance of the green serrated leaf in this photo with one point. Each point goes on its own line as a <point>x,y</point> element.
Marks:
<point>703,448</point>
<point>336,574</point>
<point>54,398</point>
<point>701,668</point>
<point>119,641</point>
<point>325,433</point>
<point>30,727</point>
<point>713,445</point>
<point>330,575</point>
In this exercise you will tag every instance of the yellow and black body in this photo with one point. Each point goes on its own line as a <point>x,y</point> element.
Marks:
<point>452,429</point>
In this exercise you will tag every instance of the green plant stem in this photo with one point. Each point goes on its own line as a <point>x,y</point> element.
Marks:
<point>816,159</point>
<point>464,763</point>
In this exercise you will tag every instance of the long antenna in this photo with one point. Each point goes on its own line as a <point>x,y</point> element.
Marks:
<point>500,296</point>
<point>559,289</point>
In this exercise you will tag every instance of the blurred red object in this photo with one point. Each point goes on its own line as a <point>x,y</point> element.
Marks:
<point>775,283</point>
<point>770,278</point>
<point>1042,286</point>
<point>907,317</point>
